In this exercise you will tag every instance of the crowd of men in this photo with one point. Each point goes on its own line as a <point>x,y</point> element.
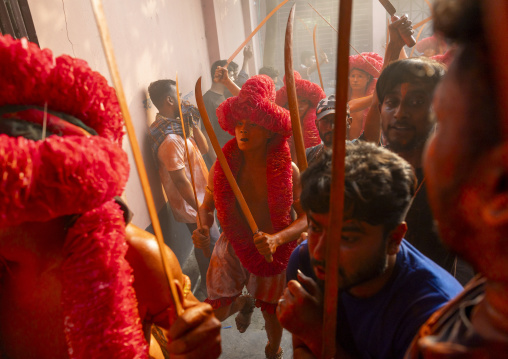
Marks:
<point>424,208</point>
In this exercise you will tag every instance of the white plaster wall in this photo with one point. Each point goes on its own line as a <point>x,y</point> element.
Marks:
<point>379,16</point>
<point>230,28</point>
<point>152,40</point>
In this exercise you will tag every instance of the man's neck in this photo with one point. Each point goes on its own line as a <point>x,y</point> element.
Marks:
<point>357,93</point>
<point>167,113</point>
<point>254,159</point>
<point>217,88</point>
<point>413,156</point>
<point>373,286</point>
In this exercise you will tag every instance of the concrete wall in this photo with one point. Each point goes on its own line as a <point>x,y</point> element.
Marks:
<point>152,39</point>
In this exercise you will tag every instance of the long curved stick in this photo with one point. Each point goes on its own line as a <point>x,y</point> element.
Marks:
<point>291,91</point>
<point>115,75</point>
<point>206,251</point>
<point>317,59</point>
<point>423,22</point>
<point>237,51</point>
<point>337,186</point>
<point>224,164</point>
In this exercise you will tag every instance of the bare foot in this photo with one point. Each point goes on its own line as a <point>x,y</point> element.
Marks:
<point>244,315</point>
<point>273,355</point>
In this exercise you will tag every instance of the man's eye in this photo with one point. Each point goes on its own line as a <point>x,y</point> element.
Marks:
<point>313,228</point>
<point>417,101</point>
<point>350,238</point>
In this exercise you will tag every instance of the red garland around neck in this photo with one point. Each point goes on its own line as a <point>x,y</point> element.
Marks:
<point>279,176</point>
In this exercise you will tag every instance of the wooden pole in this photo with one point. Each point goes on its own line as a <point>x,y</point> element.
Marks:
<point>115,75</point>
<point>224,164</point>
<point>206,251</point>
<point>337,186</point>
<point>317,58</point>
<point>291,91</point>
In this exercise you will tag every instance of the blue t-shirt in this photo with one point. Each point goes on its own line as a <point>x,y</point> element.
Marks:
<point>382,326</point>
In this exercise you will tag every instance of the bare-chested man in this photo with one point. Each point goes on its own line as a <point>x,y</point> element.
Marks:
<point>260,160</point>
<point>75,280</point>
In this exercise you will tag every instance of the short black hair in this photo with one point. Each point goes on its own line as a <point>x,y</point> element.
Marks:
<point>306,54</point>
<point>269,71</point>
<point>379,185</point>
<point>216,64</point>
<point>160,89</point>
<point>416,69</point>
<point>233,66</point>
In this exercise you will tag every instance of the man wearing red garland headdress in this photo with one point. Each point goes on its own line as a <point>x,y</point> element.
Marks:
<point>260,160</point>
<point>309,94</point>
<point>75,280</point>
<point>364,70</point>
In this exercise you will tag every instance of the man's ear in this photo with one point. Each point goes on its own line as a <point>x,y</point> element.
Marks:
<point>395,238</point>
<point>170,100</point>
<point>494,185</point>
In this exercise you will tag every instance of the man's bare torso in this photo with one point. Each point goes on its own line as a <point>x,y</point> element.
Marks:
<point>253,185</point>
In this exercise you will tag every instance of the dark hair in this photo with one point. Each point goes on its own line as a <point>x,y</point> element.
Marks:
<point>461,21</point>
<point>269,71</point>
<point>379,185</point>
<point>233,66</point>
<point>418,69</point>
<point>306,54</point>
<point>160,89</point>
<point>216,64</point>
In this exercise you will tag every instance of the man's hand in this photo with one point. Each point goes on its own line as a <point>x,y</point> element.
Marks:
<point>221,75</point>
<point>247,53</point>
<point>266,243</point>
<point>300,309</point>
<point>400,28</point>
<point>302,238</point>
<point>201,237</point>
<point>324,58</point>
<point>196,333</point>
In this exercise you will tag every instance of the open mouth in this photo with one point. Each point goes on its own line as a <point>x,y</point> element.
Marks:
<point>244,139</point>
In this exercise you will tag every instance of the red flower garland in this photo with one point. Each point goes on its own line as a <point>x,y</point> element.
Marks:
<point>279,176</point>
<point>59,176</point>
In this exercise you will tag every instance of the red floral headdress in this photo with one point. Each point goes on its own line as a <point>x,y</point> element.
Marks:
<point>358,62</point>
<point>430,42</point>
<point>373,68</point>
<point>312,92</point>
<point>256,103</point>
<point>73,174</point>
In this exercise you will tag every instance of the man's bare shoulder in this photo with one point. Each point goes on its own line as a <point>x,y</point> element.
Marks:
<point>296,171</point>
<point>144,257</point>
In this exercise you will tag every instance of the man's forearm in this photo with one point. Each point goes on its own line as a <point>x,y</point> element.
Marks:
<point>293,231</point>
<point>184,187</point>
<point>200,139</point>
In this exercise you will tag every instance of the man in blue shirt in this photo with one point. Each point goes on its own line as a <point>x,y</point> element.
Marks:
<point>387,288</point>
